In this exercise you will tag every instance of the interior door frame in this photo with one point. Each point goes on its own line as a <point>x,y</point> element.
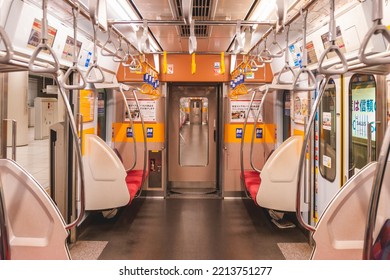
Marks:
<point>218,132</point>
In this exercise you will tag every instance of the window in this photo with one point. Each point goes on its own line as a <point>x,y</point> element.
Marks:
<point>328,131</point>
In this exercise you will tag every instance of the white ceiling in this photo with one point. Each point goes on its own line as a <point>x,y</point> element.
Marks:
<point>168,38</point>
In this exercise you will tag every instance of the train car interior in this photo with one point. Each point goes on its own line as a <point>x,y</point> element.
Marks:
<point>194,129</point>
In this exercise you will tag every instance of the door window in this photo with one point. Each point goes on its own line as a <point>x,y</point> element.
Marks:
<point>362,115</point>
<point>328,131</point>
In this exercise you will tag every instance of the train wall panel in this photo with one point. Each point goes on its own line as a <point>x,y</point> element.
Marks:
<point>20,28</point>
<point>353,25</point>
<point>155,131</point>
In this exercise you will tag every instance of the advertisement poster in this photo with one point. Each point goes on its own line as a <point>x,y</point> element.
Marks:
<point>296,54</point>
<point>311,53</point>
<point>238,109</point>
<point>35,35</point>
<point>67,53</point>
<point>339,42</point>
<point>363,112</point>
<point>300,109</point>
<point>87,102</point>
<point>148,110</point>
<point>327,121</point>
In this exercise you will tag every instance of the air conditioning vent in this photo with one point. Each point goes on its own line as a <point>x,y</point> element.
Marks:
<point>201,11</point>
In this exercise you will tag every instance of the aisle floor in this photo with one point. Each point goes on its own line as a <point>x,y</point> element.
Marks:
<point>186,229</point>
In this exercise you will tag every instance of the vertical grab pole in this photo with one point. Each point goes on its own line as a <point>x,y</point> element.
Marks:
<point>4,139</point>
<point>144,134</point>
<point>242,139</point>
<point>80,165</point>
<point>303,154</point>
<point>369,143</point>
<point>132,127</point>
<point>260,111</point>
<point>5,251</point>
<point>375,195</point>
<point>14,131</point>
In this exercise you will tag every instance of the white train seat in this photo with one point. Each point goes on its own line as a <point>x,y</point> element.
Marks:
<point>107,185</point>
<point>35,227</point>
<point>340,231</point>
<point>276,187</point>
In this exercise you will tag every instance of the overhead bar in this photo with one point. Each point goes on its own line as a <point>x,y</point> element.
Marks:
<point>85,13</point>
<point>197,22</point>
<point>287,22</point>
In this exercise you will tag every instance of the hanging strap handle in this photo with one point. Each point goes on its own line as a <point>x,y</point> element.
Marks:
<point>377,28</point>
<point>108,43</point>
<point>97,69</point>
<point>74,69</point>
<point>332,48</point>
<point>9,52</point>
<point>279,51</point>
<point>238,44</point>
<point>311,80</point>
<point>43,46</point>
<point>265,53</point>
<point>287,68</point>
<point>192,39</point>
<point>119,53</point>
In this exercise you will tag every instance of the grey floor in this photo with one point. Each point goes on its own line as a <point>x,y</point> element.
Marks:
<point>186,229</point>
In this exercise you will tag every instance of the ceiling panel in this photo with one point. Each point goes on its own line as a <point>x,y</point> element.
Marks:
<point>154,9</point>
<point>233,9</point>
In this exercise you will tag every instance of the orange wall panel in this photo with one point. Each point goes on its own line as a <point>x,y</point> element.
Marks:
<point>179,70</point>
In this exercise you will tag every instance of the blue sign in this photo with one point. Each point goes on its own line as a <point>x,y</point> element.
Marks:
<point>129,132</point>
<point>238,133</point>
<point>259,133</point>
<point>149,132</point>
<point>88,60</point>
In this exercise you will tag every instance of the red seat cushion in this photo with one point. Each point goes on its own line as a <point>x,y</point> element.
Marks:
<point>134,182</point>
<point>252,183</point>
<point>133,189</point>
<point>381,247</point>
<point>251,174</point>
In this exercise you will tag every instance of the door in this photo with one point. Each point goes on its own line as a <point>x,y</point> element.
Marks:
<point>192,139</point>
<point>366,120</point>
<point>328,146</point>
